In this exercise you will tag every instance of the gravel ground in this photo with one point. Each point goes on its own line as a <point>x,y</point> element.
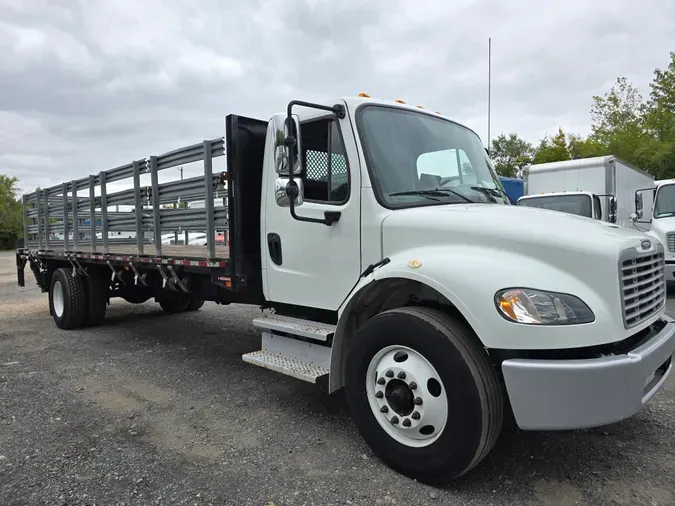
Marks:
<point>154,409</point>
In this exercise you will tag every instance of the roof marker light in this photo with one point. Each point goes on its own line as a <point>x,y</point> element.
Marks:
<point>399,101</point>
<point>364,95</point>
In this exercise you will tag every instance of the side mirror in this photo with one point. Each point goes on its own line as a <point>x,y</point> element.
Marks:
<point>286,137</point>
<point>638,204</point>
<point>633,217</point>
<point>284,190</point>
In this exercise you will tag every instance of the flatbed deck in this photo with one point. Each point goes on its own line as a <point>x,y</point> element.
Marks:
<point>177,251</point>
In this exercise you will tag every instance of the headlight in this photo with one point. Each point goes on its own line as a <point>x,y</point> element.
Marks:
<point>525,305</point>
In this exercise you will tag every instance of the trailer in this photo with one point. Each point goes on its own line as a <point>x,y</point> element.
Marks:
<point>373,235</point>
<point>601,187</point>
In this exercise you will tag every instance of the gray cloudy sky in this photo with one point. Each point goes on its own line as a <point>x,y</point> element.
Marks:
<point>86,85</point>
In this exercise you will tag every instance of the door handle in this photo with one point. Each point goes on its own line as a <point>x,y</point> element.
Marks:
<point>274,246</point>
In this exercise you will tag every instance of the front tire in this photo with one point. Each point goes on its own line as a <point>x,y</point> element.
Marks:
<point>67,303</point>
<point>423,393</point>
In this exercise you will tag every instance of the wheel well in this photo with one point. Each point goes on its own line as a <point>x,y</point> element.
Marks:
<point>376,298</point>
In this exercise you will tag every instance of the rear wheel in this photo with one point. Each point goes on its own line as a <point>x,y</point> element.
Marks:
<point>171,306</point>
<point>423,394</point>
<point>67,303</point>
<point>96,288</point>
<point>195,304</point>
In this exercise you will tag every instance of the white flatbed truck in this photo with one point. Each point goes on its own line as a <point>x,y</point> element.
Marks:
<point>375,235</point>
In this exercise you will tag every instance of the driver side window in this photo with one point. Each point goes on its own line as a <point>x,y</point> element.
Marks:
<point>452,166</point>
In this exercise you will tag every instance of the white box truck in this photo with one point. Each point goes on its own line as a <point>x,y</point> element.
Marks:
<point>601,187</point>
<point>380,263</point>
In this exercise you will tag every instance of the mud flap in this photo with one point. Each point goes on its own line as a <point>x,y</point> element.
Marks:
<point>20,264</point>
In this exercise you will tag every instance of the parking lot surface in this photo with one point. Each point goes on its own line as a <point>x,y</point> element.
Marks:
<point>156,409</point>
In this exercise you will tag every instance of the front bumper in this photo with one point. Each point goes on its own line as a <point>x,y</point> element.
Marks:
<point>576,394</point>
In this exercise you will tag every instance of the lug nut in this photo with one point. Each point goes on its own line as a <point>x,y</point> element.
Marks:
<point>413,385</point>
<point>415,416</point>
<point>394,420</point>
<point>406,423</point>
<point>418,401</point>
<point>381,381</point>
<point>389,374</point>
<point>384,409</point>
<point>379,394</point>
<point>401,375</point>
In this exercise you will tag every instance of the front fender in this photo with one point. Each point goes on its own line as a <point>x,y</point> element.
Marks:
<point>469,277</point>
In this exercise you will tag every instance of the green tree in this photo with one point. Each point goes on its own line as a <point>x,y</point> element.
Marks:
<point>579,147</point>
<point>553,149</point>
<point>10,212</point>
<point>617,122</point>
<point>658,151</point>
<point>509,153</point>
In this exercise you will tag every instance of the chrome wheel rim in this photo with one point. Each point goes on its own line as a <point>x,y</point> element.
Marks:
<point>406,396</point>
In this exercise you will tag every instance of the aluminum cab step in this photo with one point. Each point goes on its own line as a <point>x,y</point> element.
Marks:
<point>295,326</point>
<point>299,359</point>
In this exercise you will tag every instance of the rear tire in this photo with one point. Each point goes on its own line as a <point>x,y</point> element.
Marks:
<point>67,302</point>
<point>96,288</point>
<point>172,306</point>
<point>423,393</point>
<point>195,305</point>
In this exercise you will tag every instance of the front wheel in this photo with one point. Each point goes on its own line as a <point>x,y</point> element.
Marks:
<point>423,394</point>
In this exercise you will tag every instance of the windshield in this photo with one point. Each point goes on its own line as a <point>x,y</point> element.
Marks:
<point>572,204</point>
<point>665,202</point>
<point>417,159</point>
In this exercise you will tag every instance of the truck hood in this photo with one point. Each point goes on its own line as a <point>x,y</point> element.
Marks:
<point>505,227</point>
<point>472,251</point>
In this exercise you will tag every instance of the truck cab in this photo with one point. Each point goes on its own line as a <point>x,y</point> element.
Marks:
<point>655,212</point>
<point>580,203</point>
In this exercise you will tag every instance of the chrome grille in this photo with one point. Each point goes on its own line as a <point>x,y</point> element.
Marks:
<point>670,239</point>
<point>643,285</point>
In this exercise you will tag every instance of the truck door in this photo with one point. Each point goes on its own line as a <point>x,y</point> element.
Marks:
<point>310,264</point>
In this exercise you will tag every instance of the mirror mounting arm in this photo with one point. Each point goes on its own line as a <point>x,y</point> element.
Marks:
<point>292,190</point>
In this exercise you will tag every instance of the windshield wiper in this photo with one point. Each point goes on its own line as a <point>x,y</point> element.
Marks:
<point>436,192</point>
<point>493,192</point>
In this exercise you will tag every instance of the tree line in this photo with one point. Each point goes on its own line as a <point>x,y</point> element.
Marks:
<point>641,132</point>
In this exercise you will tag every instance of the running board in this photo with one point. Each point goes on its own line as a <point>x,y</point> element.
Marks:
<point>299,359</point>
<point>295,326</point>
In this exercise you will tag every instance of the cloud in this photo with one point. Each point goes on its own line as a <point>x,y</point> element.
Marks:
<point>87,85</point>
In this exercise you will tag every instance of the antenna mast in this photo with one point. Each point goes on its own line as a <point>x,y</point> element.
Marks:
<point>489,89</point>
